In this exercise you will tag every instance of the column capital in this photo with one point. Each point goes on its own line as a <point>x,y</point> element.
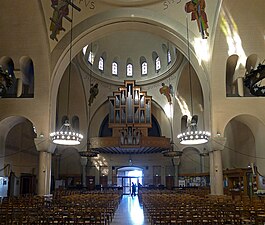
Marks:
<point>218,143</point>
<point>44,145</point>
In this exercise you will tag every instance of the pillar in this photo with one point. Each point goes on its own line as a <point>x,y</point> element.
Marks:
<point>83,161</point>
<point>212,178</point>
<point>110,175</point>
<point>240,86</point>
<point>57,162</point>
<point>202,162</point>
<point>45,149</point>
<point>216,166</point>
<point>163,175</point>
<point>176,161</point>
<point>44,178</point>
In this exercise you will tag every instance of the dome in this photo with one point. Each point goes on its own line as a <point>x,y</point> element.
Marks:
<point>134,55</point>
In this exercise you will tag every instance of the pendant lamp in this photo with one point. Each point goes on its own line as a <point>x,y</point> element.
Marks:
<point>190,135</point>
<point>66,135</point>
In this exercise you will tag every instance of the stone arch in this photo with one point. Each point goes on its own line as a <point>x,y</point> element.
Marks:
<point>67,106</point>
<point>27,76</point>
<point>22,130</point>
<point>189,96</point>
<point>245,142</point>
<point>231,64</point>
<point>70,166</point>
<point>92,28</point>
<point>190,161</point>
<point>252,62</point>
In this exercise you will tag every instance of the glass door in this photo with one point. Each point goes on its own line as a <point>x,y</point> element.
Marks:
<point>126,185</point>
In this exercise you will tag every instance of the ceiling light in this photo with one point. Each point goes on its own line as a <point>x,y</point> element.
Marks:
<point>190,135</point>
<point>66,135</point>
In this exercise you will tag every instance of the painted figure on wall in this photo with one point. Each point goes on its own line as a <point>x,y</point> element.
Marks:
<point>197,10</point>
<point>93,93</point>
<point>60,11</point>
<point>167,91</point>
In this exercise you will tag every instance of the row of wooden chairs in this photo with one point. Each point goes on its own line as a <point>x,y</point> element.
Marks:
<point>175,208</point>
<point>63,208</point>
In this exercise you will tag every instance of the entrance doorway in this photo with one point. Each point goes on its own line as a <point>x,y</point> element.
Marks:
<point>128,175</point>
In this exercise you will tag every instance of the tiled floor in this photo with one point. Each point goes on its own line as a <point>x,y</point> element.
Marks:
<point>130,212</point>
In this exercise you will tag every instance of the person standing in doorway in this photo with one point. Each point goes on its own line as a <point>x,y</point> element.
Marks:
<point>133,189</point>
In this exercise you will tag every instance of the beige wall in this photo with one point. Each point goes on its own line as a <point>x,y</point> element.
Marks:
<point>25,32</point>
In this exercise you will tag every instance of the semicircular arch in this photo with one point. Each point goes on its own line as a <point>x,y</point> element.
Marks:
<point>96,26</point>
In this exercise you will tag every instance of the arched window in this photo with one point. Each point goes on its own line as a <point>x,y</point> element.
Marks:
<point>114,68</point>
<point>75,123</point>
<point>168,56</point>
<point>129,70</point>
<point>144,68</point>
<point>91,57</point>
<point>101,64</point>
<point>143,64</point>
<point>84,50</point>
<point>27,71</point>
<point>158,64</point>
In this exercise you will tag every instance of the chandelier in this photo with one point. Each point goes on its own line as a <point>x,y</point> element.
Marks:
<point>6,81</point>
<point>190,135</point>
<point>66,135</point>
<point>172,152</point>
<point>89,153</point>
<point>253,80</point>
<point>194,137</point>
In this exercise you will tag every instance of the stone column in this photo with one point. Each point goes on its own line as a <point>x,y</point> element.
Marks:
<point>110,176</point>
<point>202,162</point>
<point>44,179</point>
<point>57,162</point>
<point>45,150</point>
<point>97,174</point>
<point>240,86</point>
<point>163,175</point>
<point>176,161</point>
<point>212,178</point>
<point>218,144</point>
<point>83,161</point>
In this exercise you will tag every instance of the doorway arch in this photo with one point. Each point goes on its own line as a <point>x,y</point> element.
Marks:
<point>127,175</point>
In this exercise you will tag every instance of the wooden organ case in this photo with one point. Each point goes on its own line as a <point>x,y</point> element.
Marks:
<point>129,118</point>
<point>130,114</point>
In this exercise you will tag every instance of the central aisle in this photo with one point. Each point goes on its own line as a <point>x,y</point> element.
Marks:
<point>130,212</point>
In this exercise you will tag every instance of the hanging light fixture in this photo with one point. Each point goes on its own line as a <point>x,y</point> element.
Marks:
<point>6,81</point>
<point>254,80</point>
<point>89,152</point>
<point>190,135</point>
<point>66,135</point>
<point>173,150</point>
